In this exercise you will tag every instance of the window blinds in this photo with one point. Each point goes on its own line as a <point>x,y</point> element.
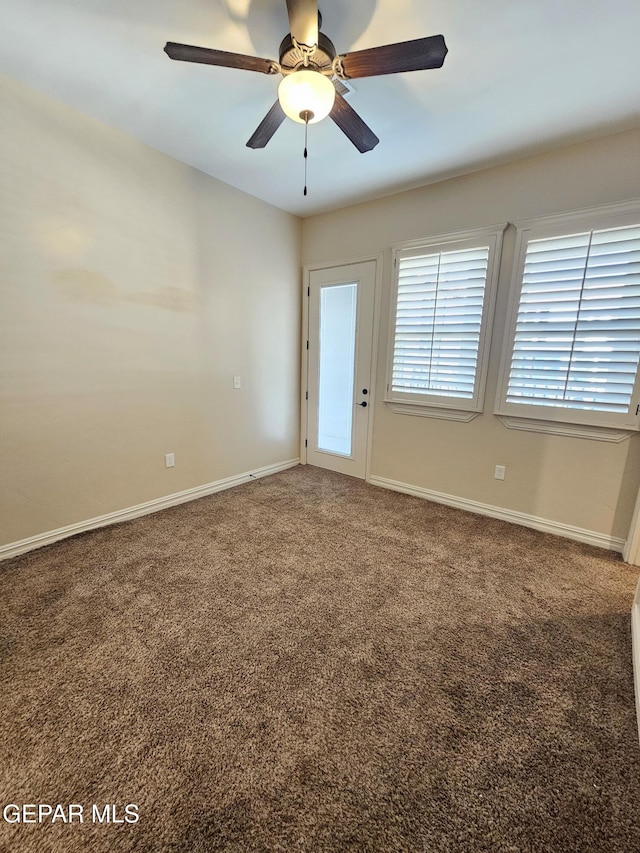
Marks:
<point>577,339</point>
<point>438,322</point>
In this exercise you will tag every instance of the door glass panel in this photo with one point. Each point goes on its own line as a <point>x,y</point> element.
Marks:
<point>337,367</point>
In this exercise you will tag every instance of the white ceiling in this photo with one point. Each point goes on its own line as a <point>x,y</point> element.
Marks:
<point>521,76</point>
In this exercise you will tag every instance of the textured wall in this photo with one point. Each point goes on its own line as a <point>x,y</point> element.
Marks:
<point>133,289</point>
<point>584,483</point>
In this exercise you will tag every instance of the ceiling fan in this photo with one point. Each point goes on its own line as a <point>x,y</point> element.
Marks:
<point>309,64</point>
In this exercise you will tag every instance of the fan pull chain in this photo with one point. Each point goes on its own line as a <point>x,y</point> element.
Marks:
<point>306,115</point>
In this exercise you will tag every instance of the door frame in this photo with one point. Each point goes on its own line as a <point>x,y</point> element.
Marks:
<point>378,259</point>
<point>631,550</point>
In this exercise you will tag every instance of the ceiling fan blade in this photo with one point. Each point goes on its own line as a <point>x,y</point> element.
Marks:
<point>352,125</point>
<point>208,56</point>
<point>303,21</point>
<point>416,55</point>
<point>267,127</point>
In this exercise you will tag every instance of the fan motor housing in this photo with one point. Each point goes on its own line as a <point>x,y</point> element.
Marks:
<point>291,56</point>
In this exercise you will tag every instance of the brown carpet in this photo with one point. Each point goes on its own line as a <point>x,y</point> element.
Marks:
<point>308,663</point>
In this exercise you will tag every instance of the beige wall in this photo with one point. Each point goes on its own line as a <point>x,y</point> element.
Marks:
<point>133,289</point>
<point>583,483</point>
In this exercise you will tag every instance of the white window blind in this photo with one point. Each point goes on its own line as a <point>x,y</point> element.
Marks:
<point>438,323</point>
<point>577,333</point>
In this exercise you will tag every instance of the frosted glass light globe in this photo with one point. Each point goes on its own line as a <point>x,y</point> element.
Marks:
<point>306,91</point>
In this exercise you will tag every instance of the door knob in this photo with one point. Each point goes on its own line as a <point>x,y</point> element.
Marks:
<point>363,404</point>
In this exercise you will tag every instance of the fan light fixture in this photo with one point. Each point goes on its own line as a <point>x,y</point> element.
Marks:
<point>306,95</point>
<point>308,61</point>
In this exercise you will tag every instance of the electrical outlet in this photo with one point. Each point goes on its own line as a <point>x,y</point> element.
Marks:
<point>500,471</point>
<point>237,382</point>
<point>169,460</point>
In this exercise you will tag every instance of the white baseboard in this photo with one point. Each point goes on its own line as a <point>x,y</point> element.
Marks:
<point>610,543</point>
<point>24,545</point>
<point>635,647</point>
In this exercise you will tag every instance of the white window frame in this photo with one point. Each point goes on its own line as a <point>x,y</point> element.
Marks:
<point>561,420</point>
<point>437,405</point>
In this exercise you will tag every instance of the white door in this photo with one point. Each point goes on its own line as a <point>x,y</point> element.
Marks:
<point>341,304</point>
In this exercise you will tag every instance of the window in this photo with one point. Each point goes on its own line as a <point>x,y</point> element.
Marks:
<point>443,302</point>
<point>573,337</point>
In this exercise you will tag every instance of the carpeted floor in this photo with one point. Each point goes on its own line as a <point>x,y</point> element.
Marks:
<point>308,663</point>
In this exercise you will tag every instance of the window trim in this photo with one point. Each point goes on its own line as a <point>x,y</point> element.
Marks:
<point>438,406</point>
<point>549,418</point>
